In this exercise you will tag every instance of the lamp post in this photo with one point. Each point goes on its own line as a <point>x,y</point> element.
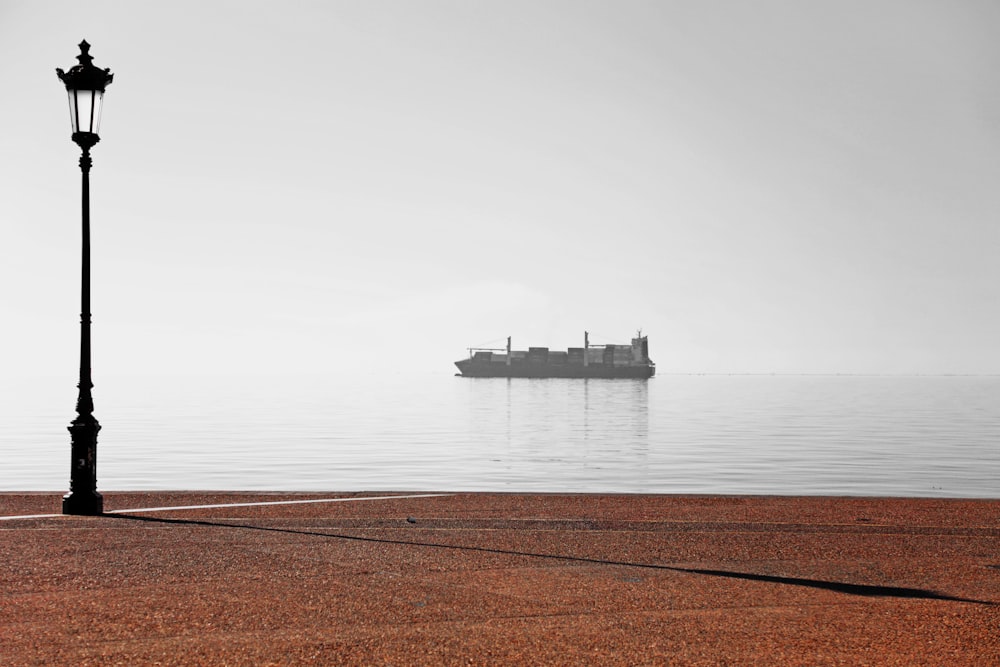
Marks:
<point>85,85</point>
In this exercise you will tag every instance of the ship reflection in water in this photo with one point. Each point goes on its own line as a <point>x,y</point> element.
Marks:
<point>590,430</point>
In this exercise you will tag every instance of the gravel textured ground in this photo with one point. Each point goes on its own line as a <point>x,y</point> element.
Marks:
<point>501,579</point>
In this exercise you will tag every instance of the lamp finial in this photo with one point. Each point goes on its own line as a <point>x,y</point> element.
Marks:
<point>85,58</point>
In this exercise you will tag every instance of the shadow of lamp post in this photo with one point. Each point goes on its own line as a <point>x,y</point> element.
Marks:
<point>85,85</point>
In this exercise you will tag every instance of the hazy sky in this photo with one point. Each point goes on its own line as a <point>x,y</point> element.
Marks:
<point>761,186</point>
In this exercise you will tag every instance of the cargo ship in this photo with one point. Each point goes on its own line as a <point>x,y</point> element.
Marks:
<point>589,361</point>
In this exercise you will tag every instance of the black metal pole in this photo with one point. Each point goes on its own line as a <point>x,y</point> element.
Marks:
<point>83,497</point>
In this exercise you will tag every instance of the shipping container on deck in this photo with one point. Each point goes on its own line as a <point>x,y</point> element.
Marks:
<point>538,355</point>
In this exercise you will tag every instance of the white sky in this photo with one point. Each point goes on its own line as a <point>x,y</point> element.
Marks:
<point>761,186</point>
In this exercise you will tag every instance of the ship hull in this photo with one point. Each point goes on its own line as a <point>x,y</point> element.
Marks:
<point>496,370</point>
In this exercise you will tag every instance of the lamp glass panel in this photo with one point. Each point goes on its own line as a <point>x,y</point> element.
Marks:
<point>98,105</point>
<point>71,94</point>
<point>85,110</point>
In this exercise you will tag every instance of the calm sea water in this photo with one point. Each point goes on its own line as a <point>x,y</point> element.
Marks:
<point>842,435</point>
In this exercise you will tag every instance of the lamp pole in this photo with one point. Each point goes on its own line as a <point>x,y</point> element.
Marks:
<point>85,86</point>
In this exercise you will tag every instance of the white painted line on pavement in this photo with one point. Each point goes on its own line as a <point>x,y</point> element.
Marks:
<point>279,502</point>
<point>257,504</point>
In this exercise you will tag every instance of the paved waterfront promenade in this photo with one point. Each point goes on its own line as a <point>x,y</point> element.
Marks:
<point>499,579</point>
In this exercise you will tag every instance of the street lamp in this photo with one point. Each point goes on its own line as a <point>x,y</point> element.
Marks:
<point>85,85</point>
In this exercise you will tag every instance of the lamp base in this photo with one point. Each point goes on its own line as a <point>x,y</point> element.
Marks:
<point>85,503</point>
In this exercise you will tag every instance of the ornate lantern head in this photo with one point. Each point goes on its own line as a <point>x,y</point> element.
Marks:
<point>85,86</point>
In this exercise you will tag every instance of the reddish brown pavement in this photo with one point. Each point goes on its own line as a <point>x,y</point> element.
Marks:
<point>492,579</point>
